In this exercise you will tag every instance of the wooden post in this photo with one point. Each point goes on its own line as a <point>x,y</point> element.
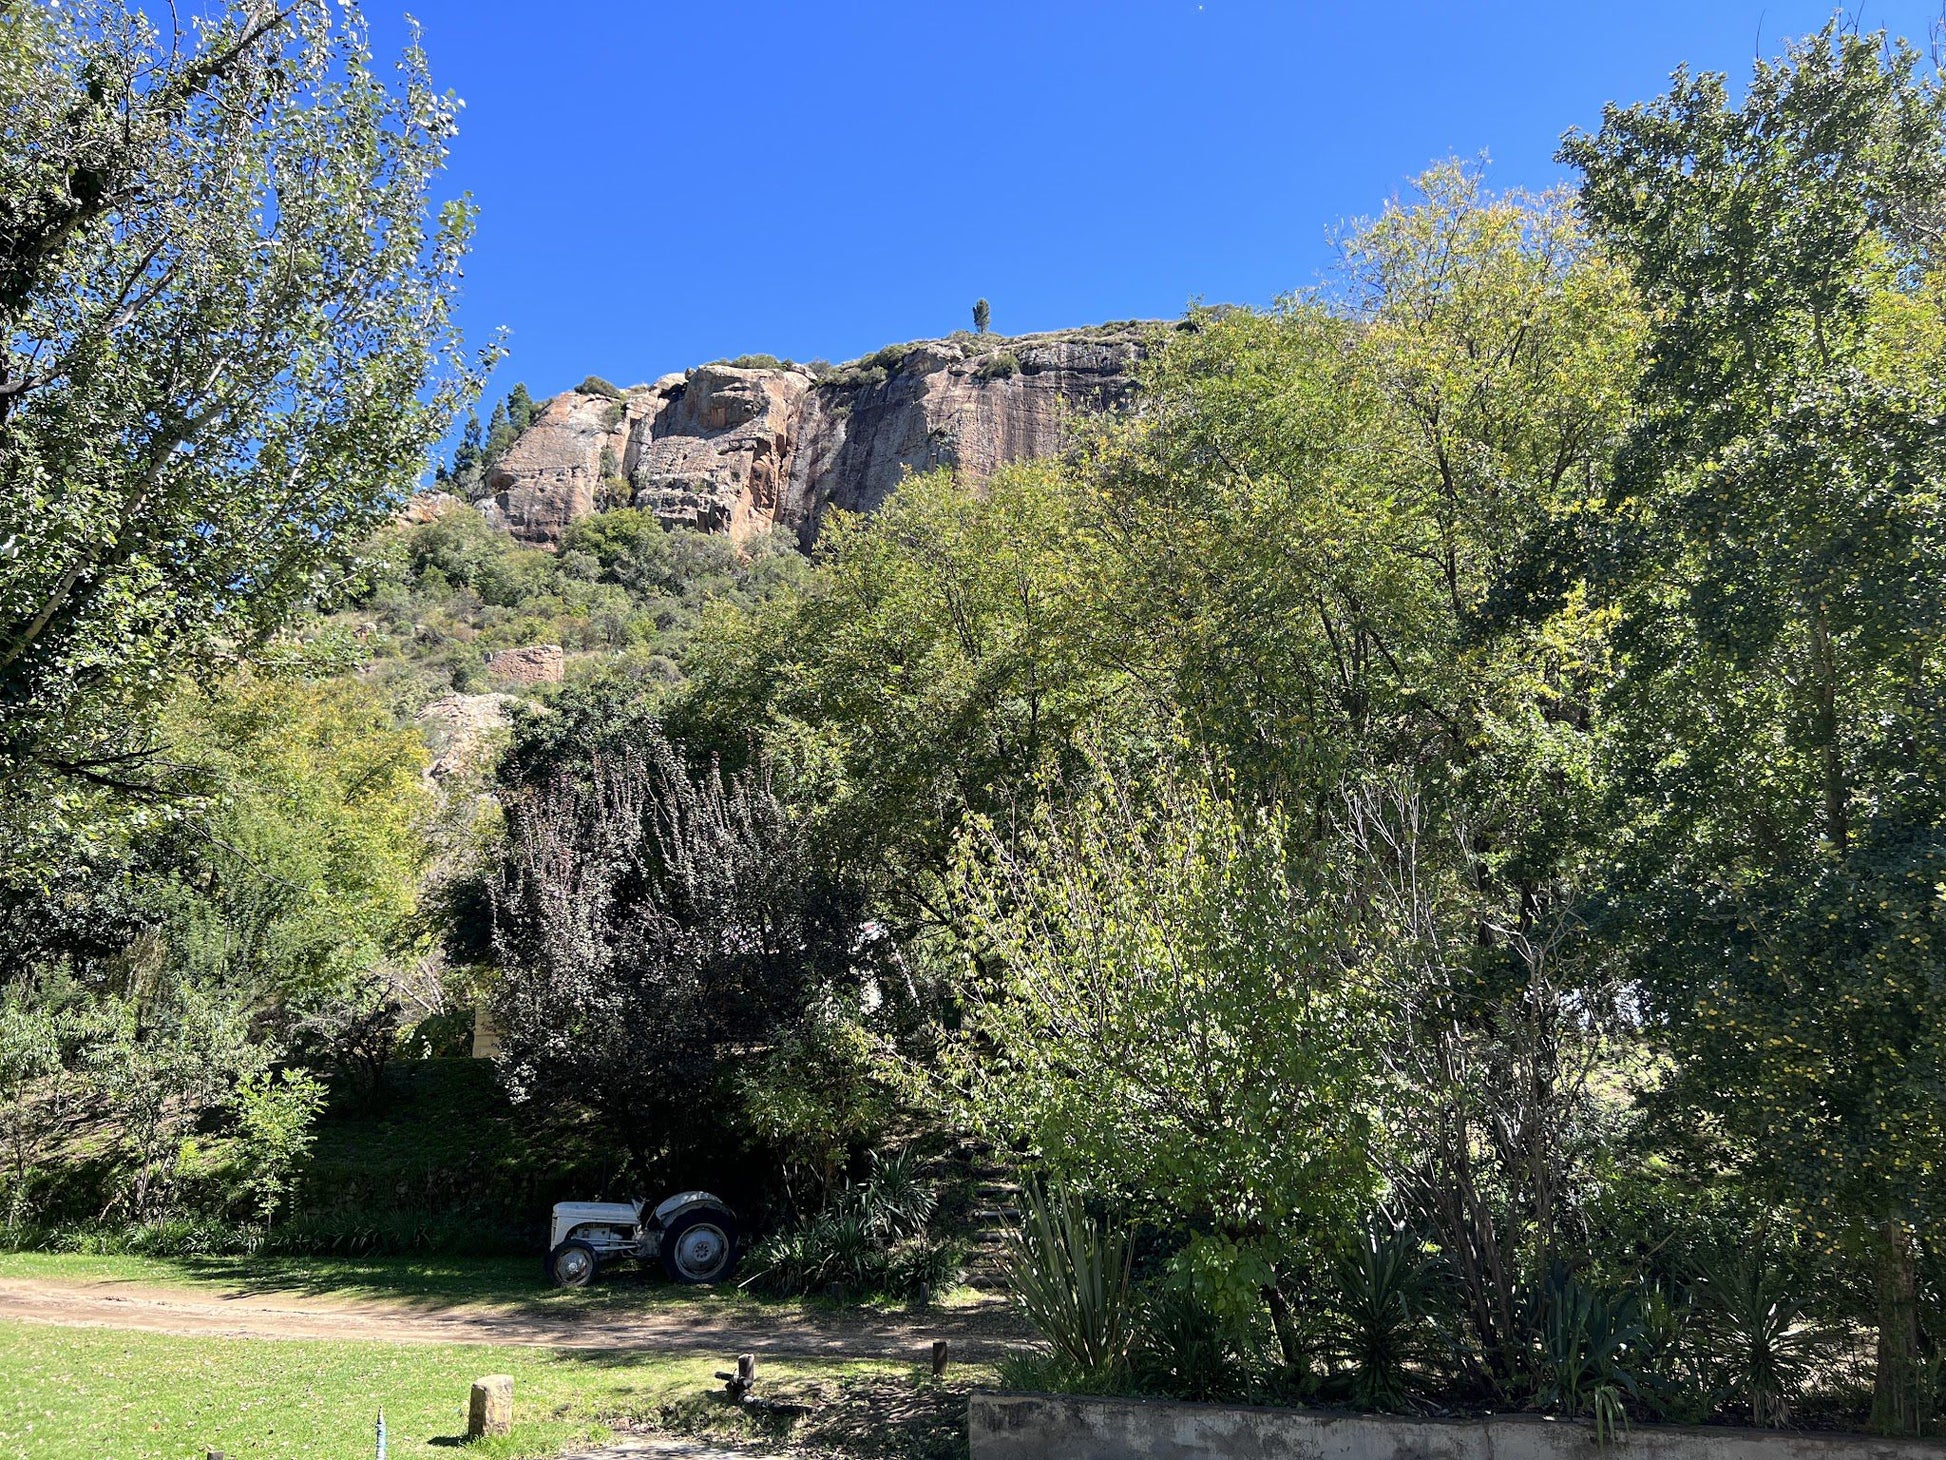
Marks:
<point>939,1350</point>
<point>490,1408</point>
<point>740,1383</point>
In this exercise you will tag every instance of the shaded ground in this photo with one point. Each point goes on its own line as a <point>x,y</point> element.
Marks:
<point>852,1413</point>
<point>981,1332</point>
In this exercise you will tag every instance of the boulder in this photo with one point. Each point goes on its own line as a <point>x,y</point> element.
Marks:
<point>490,1407</point>
<point>457,728</point>
<point>530,664</point>
<point>429,506</point>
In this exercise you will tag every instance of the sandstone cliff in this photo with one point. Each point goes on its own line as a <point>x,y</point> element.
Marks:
<point>740,450</point>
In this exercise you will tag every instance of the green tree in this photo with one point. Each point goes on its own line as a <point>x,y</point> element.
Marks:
<point>1315,551</point>
<point>1776,561</point>
<point>468,471</point>
<point>520,408</point>
<point>927,668</point>
<point>1171,1017</point>
<point>302,875</point>
<point>499,436</point>
<point>982,315</point>
<point>276,1116</point>
<point>226,298</point>
<point>657,928</point>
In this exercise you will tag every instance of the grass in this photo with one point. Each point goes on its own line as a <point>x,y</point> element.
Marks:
<point>85,1394</point>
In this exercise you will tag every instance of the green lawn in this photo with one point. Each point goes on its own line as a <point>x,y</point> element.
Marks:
<point>86,1394</point>
<point>92,1394</point>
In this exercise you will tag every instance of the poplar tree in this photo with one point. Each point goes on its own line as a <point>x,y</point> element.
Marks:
<point>226,345</point>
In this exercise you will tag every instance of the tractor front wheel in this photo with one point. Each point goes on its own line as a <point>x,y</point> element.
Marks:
<point>572,1264</point>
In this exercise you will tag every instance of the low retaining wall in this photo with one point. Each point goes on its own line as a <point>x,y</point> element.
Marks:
<point>1065,1427</point>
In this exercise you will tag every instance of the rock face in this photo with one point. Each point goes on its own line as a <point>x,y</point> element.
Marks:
<point>458,728</point>
<point>529,664</point>
<point>554,472</point>
<point>739,451</point>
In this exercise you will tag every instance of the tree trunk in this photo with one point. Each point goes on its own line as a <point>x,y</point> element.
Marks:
<point>1898,1403</point>
<point>1296,1360</point>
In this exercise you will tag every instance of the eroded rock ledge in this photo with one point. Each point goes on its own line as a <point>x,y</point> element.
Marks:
<point>739,451</point>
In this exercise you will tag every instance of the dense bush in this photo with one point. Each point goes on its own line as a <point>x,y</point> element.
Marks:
<point>1002,365</point>
<point>870,1238</point>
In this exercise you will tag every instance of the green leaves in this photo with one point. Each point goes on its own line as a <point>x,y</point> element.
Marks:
<point>225,358</point>
<point>1069,1277</point>
<point>1776,561</point>
<point>1161,1008</point>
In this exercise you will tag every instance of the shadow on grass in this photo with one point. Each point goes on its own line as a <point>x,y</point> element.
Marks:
<point>434,1284</point>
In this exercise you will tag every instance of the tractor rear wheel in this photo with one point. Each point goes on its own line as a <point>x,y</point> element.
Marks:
<point>699,1246</point>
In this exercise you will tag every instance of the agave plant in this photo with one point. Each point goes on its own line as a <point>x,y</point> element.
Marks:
<point>1069,1276</point>
<point>1674,1372</point>
<point>895,1202</point>
<point>870,1236</point>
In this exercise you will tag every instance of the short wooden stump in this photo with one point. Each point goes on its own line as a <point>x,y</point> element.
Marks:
<point>490,1411</point>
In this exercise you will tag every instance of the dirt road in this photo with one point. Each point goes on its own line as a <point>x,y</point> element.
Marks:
<point>981,1333</point>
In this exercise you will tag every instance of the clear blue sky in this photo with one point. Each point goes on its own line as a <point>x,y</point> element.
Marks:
<point>666,183</point>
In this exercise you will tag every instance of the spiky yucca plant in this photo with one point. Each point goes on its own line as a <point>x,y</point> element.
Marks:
<point>1069,1276</point>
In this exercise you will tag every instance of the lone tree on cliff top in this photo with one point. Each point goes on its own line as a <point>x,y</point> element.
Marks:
<point>982,315</point>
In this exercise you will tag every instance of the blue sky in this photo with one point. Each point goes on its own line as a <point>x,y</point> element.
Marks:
<point>666,183</point>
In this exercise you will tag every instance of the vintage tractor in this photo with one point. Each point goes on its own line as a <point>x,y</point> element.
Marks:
<point>692,1233</point>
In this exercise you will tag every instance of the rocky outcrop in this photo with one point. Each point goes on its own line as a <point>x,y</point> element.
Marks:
<point>425,507</point>
<point>557,470</point>
<point>738,451</point>
<point>718,450</point>
<point>457,729</point>
<point>529,664</point>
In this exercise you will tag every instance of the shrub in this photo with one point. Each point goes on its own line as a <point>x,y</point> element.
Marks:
<point>872,1237</point>
<point>1586,1340</point>
<point>595,385</point>
<point>1183,1349</point>
<point>1762,1338</point>
<point>760,362</point>
<point>1003,365</point>
<point>1378,1313</point>
<point>1069,1276</point>
<point>864,374</point>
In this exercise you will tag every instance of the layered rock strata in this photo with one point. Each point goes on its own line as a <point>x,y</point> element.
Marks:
<point>742,450</point>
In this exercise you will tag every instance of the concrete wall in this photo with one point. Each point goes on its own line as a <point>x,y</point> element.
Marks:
<point>1062,1427</point>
